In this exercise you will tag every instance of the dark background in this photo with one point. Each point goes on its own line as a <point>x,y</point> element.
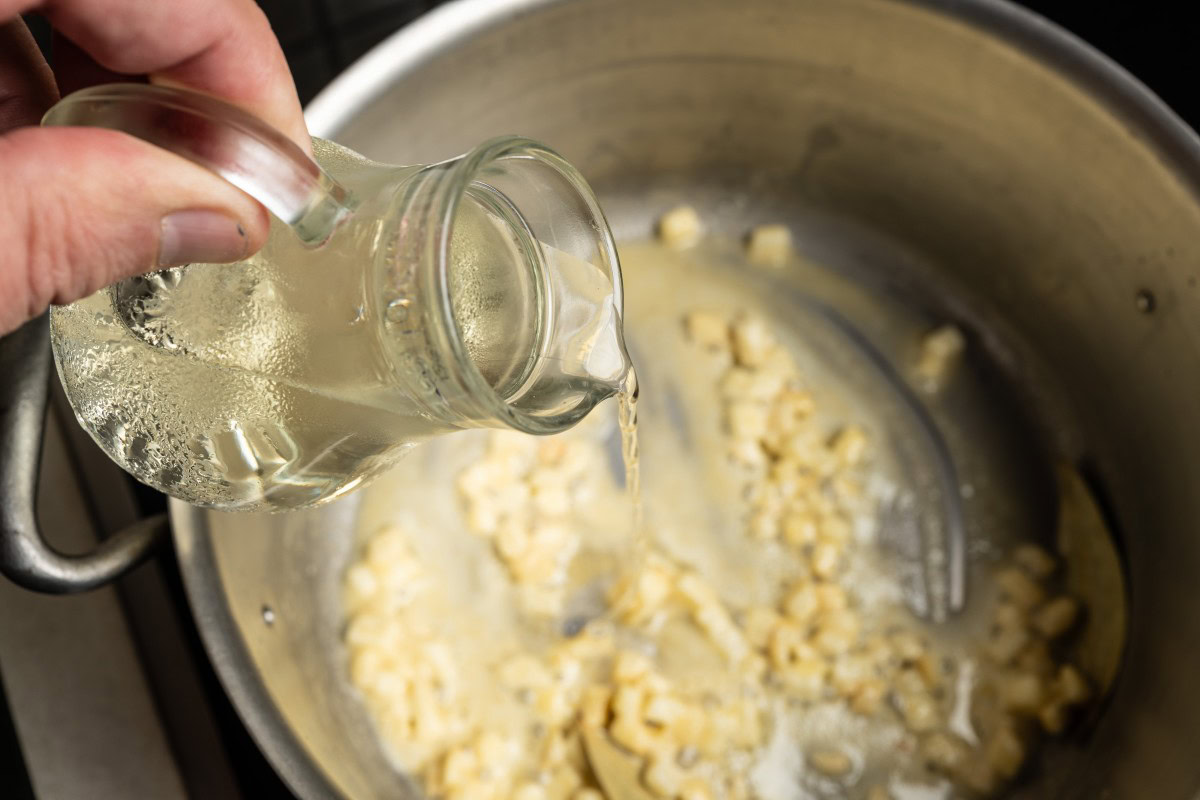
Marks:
<point>1153,39</point>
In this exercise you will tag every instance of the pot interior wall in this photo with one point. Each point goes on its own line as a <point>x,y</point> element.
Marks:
<point>1019,203</point>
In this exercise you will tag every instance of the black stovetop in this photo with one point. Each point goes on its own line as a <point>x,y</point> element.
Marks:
<point>321,38</point>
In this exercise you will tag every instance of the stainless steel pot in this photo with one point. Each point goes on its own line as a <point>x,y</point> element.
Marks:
<point>1018,181</point>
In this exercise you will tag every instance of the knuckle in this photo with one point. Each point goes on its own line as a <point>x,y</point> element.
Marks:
<point>58,247</point>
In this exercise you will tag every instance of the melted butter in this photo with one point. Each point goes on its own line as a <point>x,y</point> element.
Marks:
<point>691,502</point>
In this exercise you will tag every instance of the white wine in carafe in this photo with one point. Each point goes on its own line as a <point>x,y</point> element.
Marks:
<point>286,380</point>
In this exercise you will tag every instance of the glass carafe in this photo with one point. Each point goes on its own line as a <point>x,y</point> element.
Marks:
<point>389,305</point>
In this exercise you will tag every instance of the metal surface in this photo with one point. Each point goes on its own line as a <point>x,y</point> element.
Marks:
<point>271,622</point>
<point>174,667</point>
<point>25,556</point>
<point>1034,192</point>
<point>86,721</point>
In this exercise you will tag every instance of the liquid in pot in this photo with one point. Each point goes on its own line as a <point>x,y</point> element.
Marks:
<point>765,644</point>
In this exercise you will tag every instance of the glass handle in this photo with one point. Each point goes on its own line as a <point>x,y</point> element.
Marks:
<point>238,146</point>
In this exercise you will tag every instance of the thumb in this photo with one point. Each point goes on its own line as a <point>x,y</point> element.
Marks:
<point>84,207</point>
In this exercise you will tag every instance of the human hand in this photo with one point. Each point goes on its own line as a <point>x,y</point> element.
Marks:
<point>83,207</point>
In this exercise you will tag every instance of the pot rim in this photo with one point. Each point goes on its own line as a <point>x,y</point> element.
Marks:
<point>1057,48</point>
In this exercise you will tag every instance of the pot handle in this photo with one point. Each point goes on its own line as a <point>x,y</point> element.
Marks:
<point>25,557</point>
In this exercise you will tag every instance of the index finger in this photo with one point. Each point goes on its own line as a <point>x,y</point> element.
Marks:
<point>221,47</point>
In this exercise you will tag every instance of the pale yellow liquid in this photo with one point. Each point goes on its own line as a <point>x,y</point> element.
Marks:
<point>627,422</point>
<point>695,504</point>
<point>232,385</point>
<point>286,379</point>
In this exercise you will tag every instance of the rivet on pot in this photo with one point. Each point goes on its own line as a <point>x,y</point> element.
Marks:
<point>268,615</point>
<point>1145,301</point>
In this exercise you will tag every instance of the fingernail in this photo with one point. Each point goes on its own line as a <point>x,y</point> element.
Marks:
<point>200,236</point>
